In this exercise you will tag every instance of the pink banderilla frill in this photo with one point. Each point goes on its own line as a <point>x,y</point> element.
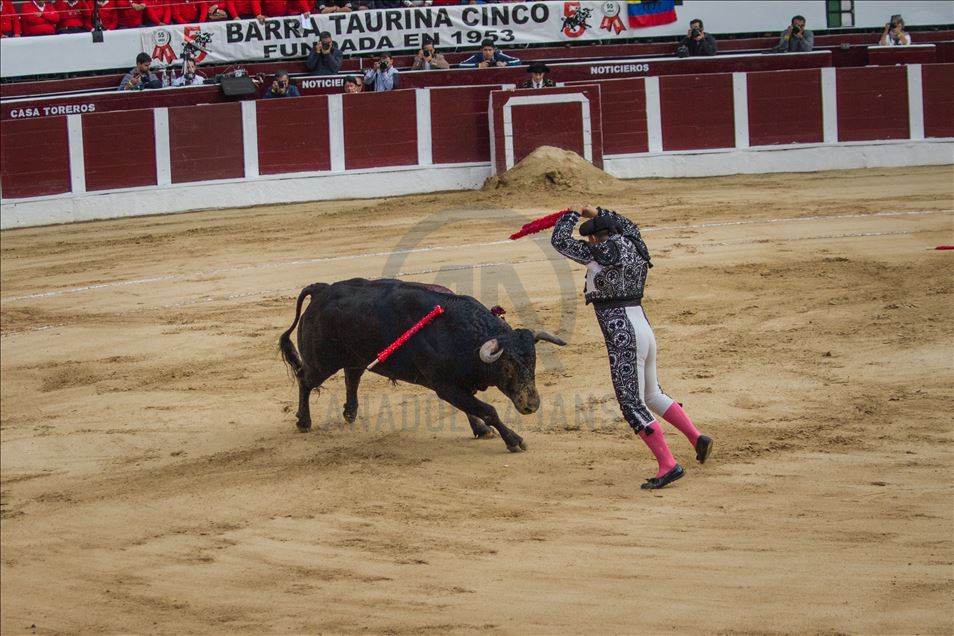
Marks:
<point>538,225</point>
<point>397,344</point>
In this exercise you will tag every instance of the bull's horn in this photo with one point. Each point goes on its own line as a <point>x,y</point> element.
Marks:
<point>549,337</point>
<point>489,351</point>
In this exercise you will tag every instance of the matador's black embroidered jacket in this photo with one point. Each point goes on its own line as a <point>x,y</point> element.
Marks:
<point>616,268</point>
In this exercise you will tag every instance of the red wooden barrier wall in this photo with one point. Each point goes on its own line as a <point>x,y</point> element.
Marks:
<point>293,135</point>
<point>938,80</point>
<point>872,103</point>
<point>35,158</point>
<point>380,129</point>
<point>459,130</point>
<point>697,112</point>
<point>119,149</point>
<point>785,107</point>
<point>624,116</point>
<point>205,142</point>
<point>547,125</point>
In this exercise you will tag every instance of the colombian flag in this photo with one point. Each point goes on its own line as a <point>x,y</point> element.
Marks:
<point>647,13</point>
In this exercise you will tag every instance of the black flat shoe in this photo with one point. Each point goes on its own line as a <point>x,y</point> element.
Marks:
<point>703,448</point>
<point>676,472</point>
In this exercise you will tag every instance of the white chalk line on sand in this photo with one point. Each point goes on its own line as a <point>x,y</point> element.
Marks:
<point>436,248</point>
<point>262,292</point>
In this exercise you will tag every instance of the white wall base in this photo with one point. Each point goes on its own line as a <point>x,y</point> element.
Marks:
<point>296,188</point>
<point>791,158</point>
<point>385,182</point>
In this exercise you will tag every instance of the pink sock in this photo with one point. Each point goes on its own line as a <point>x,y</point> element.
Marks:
<point>657,444</point>
<point>678,418</point>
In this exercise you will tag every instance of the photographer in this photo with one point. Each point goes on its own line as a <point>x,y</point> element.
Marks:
<point>796,38</point>
<point>697,42</point>
<point>140,77</point>
<point>282,87</point>
<point>382,76</point>
<point>894,33</point>
<point>325,57</point>
<point>428,58</point>
<point>190,76</point>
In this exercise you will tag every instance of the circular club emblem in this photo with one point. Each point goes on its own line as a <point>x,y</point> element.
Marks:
<point>161,37</point>
<point>610,9</point>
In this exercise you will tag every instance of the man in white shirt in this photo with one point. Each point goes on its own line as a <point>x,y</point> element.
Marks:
<point>382,76</point>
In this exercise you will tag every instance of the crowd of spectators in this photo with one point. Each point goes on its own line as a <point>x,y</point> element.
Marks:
<point>39,17</point>
<point>47,17</point>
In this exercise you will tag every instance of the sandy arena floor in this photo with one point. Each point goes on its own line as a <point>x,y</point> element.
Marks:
<point>153,480</point>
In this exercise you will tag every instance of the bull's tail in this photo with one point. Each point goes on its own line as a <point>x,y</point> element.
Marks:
<point>289,353</point>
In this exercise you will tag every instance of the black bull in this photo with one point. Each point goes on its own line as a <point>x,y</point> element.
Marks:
<point>464,350</point>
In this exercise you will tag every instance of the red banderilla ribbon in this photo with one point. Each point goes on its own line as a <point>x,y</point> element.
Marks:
<point>397,344</point>
<point>538,225</point>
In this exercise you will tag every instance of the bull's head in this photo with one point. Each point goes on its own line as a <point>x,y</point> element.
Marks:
<point>514,360</point>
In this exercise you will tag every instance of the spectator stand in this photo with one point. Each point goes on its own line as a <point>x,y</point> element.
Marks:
<point>76,167</point>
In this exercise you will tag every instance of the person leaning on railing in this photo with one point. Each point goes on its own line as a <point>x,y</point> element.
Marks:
<point>190,11</point>
<point>108,14</point>
<point>244,9</point>
<point>9,20</point>
<point>75,16</point>
<point>282,8</point>
<point>38,18</point>
<point>136,13</point>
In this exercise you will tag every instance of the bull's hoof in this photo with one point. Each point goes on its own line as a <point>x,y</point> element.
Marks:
<point>303,427</point>
<point>350,415</point>
<point>488,434</point>
<point>519,447</point>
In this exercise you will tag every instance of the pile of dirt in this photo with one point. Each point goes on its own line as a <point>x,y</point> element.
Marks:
<point>548,168</point>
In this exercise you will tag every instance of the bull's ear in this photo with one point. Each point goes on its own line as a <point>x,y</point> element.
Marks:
<point>548,337</point>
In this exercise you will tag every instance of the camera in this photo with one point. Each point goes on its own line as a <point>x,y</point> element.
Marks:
<point>282,83</point>
<point>383,65</point>
<point>198,43</point>
<point>426,52</point>
<point>326,46</point>
<point>892,25</point>
<point>796,29</point>
<point>696,32</point>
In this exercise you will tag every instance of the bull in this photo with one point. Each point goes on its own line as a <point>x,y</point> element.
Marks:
<point>465,350</point>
